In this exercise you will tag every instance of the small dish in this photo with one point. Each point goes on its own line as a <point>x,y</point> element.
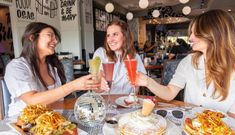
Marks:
<point>111,122</point>
<point>120,101</point>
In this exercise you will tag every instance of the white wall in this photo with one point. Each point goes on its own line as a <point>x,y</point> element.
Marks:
<point>70,29</point>
<point>19,24</point>
<point>87,26</point>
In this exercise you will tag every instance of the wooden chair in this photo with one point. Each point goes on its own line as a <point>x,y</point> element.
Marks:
<point>169,67</point>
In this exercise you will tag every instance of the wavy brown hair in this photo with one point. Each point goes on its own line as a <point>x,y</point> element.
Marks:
<point>128,44</point>
<point>29,41</point>
<point>217,28</point>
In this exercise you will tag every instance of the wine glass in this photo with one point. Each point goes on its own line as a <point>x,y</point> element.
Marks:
<point>108,74</point>
<point>131,65</point>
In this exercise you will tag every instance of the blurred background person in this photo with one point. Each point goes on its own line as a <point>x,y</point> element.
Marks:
<point>181,48</point>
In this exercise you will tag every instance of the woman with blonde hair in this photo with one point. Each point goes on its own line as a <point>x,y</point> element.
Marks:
<point>208,74</point>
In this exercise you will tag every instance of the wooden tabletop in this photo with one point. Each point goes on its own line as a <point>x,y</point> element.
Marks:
<point>69,103</point>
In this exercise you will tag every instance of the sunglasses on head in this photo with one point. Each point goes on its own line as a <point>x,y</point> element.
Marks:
<point>176,113</point>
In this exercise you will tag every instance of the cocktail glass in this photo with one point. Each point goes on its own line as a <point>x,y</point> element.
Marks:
<point>95,68</point>
<point>131,65</point>
<point>108,74</point>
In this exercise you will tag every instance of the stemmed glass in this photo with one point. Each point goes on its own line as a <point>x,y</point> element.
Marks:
<point>108,75</point>
<point>131,65</point>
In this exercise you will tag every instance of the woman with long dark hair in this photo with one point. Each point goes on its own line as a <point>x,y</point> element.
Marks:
<point>37,76</point>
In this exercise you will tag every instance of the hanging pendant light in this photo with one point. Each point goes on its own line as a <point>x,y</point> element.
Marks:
<point>109,7</point>
<point>183,1</point>
<point>155,13</point>
<point>186,10</point>
<point>129,16</point>
<point>143,4</point>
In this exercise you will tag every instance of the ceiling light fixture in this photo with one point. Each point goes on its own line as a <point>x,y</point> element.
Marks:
<point>129,16</point>
<point>143,4</point>
<point>186,10</point>
<point>155,13</point>
<point>109,7</point>
<point>183,1</point>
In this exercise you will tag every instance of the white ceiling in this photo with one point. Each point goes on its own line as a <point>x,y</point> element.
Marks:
<point>196,5</point>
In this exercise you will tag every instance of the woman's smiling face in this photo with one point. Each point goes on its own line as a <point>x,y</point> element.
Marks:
<point>115,37</point>
<point>198,44</point>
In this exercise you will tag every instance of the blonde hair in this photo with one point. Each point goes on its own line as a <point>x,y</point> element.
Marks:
<point>217,29</point>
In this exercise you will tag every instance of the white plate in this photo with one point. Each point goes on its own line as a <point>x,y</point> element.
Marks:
<point>9,133</point>
<point>171,129</point>
<point>120,101</point>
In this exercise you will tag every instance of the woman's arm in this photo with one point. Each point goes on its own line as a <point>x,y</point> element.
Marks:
<point>231,115</point>
<point>165,92</point>
<point>50,96</point>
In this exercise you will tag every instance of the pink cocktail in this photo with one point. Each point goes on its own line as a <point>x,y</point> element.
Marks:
<point>131,65</point>
<point>108,72</point>
<point>108,75</point>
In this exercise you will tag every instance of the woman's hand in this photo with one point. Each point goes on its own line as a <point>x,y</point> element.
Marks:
<point>86,83</point>
<point>141,79</point>
<point>104,86</point>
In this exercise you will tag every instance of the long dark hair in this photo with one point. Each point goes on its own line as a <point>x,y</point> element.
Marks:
<point>128,44</point>
<point>29,52</point>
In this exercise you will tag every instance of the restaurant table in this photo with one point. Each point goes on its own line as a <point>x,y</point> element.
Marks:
<point>68,104</point>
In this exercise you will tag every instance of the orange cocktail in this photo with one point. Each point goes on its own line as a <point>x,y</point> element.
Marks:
<point>131,65</point>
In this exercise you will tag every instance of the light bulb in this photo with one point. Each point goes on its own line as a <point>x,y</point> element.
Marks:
<point>143,4</point>
<point>155,13</point>
<point>186,10</point>
<point>129,16</point>
<point>109,7</point>
<point>183,1</point>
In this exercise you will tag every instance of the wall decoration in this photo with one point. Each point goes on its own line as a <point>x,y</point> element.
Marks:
<point>47,7</point>
<point>88,11</point>
<point>103,18</point>
<point>25,10</point>
<point>68,10</point>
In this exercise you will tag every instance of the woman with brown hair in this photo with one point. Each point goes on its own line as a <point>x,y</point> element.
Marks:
<point>118,44</point>
<point>208,74</point>
<point>37,76</point>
